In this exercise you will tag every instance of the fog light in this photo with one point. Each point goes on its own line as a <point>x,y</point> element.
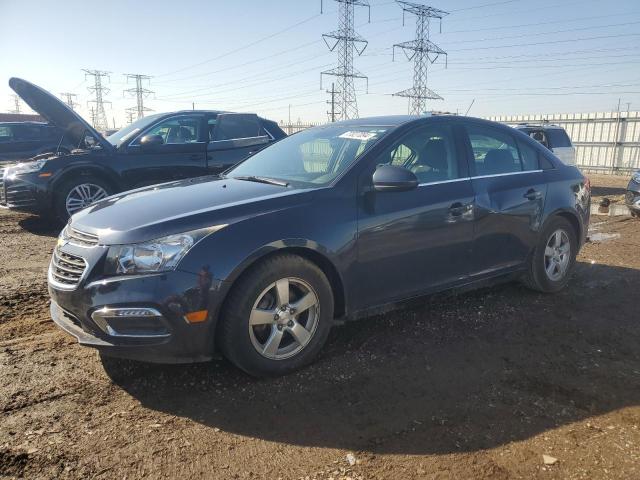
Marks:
<point>132,322</point>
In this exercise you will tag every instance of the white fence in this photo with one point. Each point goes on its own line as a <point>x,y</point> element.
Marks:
<point>605,142</point>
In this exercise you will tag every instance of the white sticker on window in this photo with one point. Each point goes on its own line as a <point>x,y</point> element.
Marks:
<point>355,135</point>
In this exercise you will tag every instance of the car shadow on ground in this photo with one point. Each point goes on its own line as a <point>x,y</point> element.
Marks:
<point>447,374</point>
<point>41,226</point>
<point>607,191</point>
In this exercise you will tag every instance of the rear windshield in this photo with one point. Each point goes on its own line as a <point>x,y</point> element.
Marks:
<point>557,138</point>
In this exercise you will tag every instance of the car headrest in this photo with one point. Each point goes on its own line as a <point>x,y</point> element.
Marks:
<point>434,155</point>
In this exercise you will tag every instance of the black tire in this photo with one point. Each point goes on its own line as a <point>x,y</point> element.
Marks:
<point>63,190</point>
<point>537,277</point>
<point>234,337</point>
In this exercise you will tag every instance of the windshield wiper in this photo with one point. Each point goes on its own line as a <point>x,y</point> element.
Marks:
<point>270,181</point>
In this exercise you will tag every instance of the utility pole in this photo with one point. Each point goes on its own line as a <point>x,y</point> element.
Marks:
<point>69,99</point>
<point>423,52</point>
<point>139,92</point>
<point>130,115</point>
<point>15,100</point>
<point>347,42</point>
<point>99,116</point>
<point>333,113</point>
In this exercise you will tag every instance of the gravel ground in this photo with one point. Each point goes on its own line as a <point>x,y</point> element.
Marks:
<point>478,385</point>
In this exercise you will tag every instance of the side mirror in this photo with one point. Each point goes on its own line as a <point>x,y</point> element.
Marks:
<point>391,178</point>
<point>149,141</point>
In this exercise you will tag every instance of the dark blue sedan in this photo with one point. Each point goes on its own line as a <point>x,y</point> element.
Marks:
<point>332,223</point>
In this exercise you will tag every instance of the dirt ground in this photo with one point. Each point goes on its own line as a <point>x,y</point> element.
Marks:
<point>479,385</point>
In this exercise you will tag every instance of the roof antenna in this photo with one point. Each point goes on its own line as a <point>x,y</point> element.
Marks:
<point>467,112</point>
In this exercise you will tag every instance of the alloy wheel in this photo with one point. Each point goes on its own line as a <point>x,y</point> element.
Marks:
<point>284,318</point>
<point>557,255</point>
<point>83,195</point>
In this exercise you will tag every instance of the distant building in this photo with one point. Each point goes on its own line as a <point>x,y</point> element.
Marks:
<point>20,117</point>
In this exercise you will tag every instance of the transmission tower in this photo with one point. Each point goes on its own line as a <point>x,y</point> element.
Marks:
<point>423,52</point>
<point>99,116</point>
<point>15,100</point>
<point>347,42</point>
<point>139,92</point>
<point>333,113</point>
<point>69,99</point>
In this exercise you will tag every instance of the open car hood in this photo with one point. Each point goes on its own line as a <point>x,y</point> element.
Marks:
<point>56,112</point>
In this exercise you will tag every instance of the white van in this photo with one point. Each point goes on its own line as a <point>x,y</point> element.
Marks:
<point>553,137</point>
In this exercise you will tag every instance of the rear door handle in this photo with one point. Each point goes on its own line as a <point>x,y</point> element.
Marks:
<point>533,194</point>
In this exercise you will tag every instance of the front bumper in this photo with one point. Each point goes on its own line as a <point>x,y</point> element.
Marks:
<point>632,197</point>
<point>25,193</point>
<point>165,338</point>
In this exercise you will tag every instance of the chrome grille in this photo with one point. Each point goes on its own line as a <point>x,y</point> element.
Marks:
<point>81,238</point>
<point>67,269</point>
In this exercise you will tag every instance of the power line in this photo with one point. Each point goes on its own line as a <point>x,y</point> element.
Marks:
<point>98,114</point>
<point>140,93</point>
<point>423,52</point>
<point>244,47</point>
<point>348,43</point>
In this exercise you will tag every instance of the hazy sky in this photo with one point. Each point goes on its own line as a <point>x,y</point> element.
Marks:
<point>512,56</point>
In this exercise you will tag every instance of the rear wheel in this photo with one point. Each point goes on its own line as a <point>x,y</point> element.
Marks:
<point>277,317</point>
<point>553,259</point>
<point>76,194</point>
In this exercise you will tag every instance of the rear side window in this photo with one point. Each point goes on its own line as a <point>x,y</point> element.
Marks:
<point>494,152</point>
<point>530,156</point>
<point>557,138</point>
<point>237,125</point>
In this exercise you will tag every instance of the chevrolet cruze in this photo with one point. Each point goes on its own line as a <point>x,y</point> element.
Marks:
<point>329,224</point>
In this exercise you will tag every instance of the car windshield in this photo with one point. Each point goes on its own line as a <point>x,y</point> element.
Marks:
<point>129,131</point>
<point>313,157</point>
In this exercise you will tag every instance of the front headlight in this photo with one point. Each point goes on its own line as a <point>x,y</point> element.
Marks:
<point>27,167</point>
<point>159,255</point>
<point>636,177</point>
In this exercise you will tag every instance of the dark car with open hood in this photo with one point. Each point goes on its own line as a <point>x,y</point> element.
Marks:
<point>154,149</point>
<point>332,223</point>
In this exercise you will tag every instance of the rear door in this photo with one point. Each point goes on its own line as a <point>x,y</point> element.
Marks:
<point>182,154</point>
<point>232,138</point>
<point>510,190</point>
<point>420,240</point>
<point>7,152</point>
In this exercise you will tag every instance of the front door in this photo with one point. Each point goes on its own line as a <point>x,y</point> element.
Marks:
<point>181,155</point>
<point>420,240</point>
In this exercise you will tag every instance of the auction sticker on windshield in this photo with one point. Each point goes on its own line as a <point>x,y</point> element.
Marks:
<point>356,135</point>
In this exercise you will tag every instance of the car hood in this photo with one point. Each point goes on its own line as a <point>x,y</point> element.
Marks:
<point>160,210</point>
<point>56,112</point>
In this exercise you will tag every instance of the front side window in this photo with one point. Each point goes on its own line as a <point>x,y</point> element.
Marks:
<point>494,152</point>
<point>313,157</point>
<point>177,130</point>
<point>429,152</point>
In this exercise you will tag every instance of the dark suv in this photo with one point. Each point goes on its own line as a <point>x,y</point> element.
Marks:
<point>22,140</point>
<point>154,149</point>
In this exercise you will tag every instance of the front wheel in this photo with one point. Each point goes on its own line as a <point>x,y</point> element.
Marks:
<point>553,259</point>
<point>278,316</point>
<point>76,194</point>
